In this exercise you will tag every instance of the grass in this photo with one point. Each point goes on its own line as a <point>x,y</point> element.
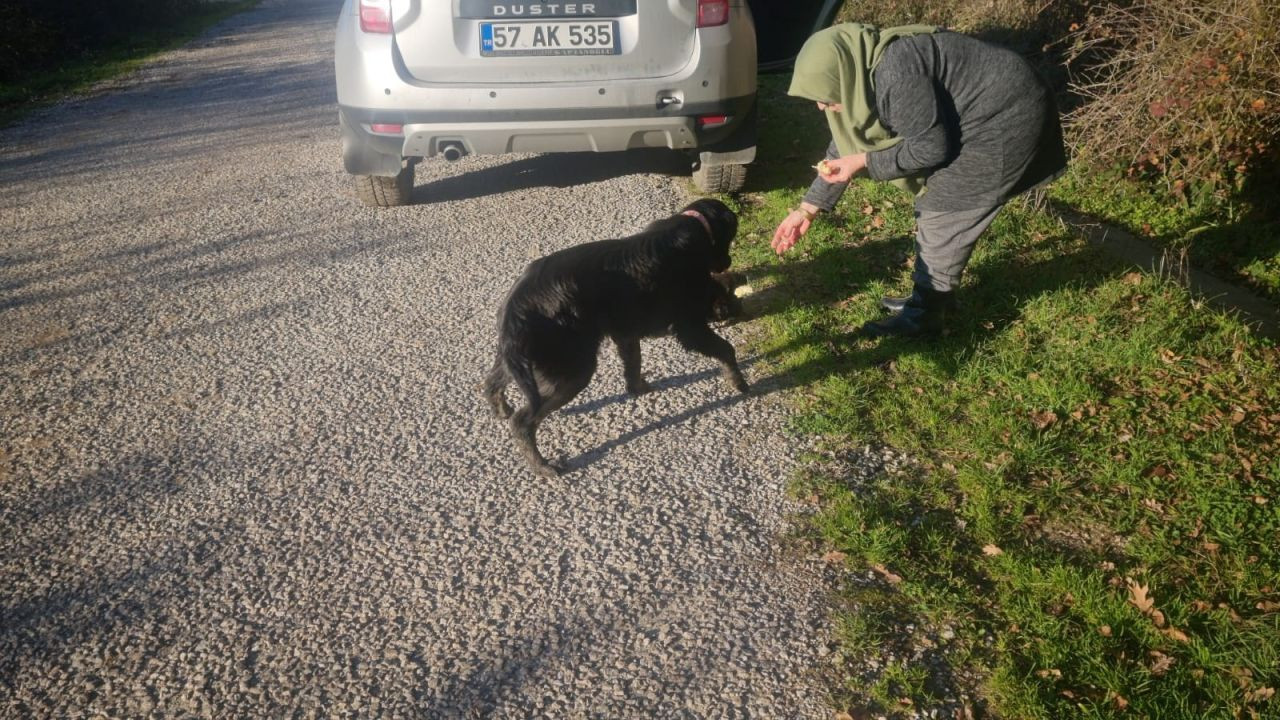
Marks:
<point>45,85</point>
<point>1229,240</point>
<point>1089,526</point>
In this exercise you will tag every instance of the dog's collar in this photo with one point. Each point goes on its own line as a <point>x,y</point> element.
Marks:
<point>701,219</point>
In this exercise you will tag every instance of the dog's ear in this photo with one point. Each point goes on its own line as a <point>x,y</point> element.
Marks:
<point>723,223</point>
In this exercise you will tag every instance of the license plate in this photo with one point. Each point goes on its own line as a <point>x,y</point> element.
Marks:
<point>597,37</point>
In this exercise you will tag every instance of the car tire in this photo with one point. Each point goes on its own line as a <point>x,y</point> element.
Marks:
<point>720,179</point>
<point>381,191</point>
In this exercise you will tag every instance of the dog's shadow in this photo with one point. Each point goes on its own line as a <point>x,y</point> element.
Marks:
<point>731,398</point>
<point>669,383</point>
<point>753,307</point>
<point>658,386</point>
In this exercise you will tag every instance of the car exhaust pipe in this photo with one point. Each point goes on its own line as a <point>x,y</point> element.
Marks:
<point>452,151</point>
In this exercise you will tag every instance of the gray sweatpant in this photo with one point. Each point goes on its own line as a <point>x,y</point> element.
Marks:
<point>944,242</point>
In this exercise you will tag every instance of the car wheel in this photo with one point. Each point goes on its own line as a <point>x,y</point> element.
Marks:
<point>720,179</point>
<point>381,191</point>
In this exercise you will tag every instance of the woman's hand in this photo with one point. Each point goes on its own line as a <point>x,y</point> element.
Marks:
<point>794,225</point>
<point>842,169</point>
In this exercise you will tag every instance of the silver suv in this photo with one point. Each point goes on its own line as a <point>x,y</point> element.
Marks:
<point>425,78</point>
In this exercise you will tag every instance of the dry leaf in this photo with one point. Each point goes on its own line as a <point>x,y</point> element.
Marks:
<point>991,550</point>
<point>1260,104</point>
<point>1044,419</point>
<point>886,574</point>
<point>1262,693</point>
<point>1104,630</point>
<point>1175,634</point>
<point>1054,673</point>
<point>1268,606</point>
<point>1139,598</point>
<point>1231,612</point>
<point>877,221</point>
<point>842,716</point>
<point>1162,663</point>
<point>1119,700</point>
<point>835,557</point>
<point>1157,617</point>
<point>1133,278</point>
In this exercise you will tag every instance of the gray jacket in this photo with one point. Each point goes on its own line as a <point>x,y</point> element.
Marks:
<point>973,116</point>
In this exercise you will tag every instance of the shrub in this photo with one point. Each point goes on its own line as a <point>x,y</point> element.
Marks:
<point>1024,25</point>
<point>1181,92</point>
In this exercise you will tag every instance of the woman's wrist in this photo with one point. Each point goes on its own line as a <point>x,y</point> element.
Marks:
<point>809,212</point>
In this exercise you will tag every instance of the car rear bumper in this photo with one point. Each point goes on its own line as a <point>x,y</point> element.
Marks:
<point>426,133</point>
<point>426,139</point>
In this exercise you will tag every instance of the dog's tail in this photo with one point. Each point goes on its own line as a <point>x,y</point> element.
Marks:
<point>516,358</point>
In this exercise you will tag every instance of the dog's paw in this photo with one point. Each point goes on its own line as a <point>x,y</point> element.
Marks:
<point>739,383</point>
<point>551,469</point>
<point>636,389</point>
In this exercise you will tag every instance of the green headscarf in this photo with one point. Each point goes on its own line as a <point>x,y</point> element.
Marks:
<point>835,66</point>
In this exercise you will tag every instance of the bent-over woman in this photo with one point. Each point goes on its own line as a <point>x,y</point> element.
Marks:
<point>964,124</point>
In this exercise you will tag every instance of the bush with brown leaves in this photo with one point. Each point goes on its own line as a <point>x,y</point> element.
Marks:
<point>1183,92</point>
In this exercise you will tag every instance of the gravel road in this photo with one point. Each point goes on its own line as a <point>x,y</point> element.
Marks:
<point>245,468</point>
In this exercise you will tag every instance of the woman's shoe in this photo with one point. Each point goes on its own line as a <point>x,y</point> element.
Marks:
<point>924,314</point>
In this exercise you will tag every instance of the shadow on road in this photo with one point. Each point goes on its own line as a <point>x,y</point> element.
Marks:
<point>558,170</point>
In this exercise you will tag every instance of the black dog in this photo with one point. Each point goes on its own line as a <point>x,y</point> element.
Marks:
<point>656,282</point>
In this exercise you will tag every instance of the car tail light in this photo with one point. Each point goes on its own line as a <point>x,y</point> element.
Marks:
<point>712,121</point>
<point>375,16</point>
<point>713,12</point>
<point>387,128</point>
